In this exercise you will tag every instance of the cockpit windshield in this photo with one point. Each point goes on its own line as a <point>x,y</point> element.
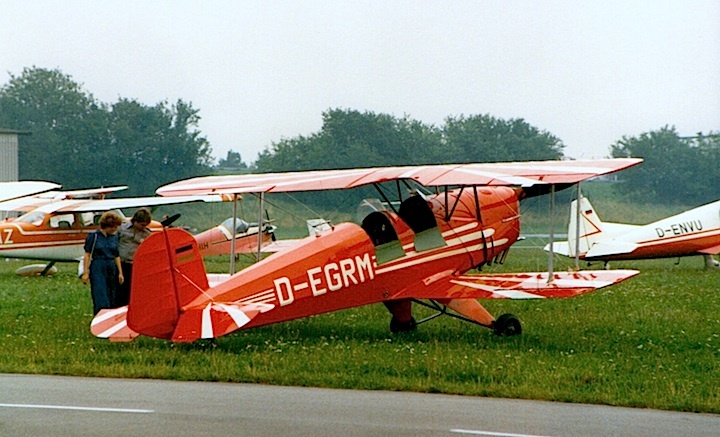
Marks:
<point>241,226</point>
<point>34,217</point>
<point>368,206</point>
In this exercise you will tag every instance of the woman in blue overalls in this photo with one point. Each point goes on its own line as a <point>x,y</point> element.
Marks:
<point>101,265</point>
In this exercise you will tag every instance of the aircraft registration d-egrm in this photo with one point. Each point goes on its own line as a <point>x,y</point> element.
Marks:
<point>418,253</point>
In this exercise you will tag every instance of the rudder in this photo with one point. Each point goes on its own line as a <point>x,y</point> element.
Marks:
<point>591,227</point>
<point>168,273</point>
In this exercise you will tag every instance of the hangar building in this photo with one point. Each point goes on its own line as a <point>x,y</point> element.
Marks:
<point>9,155</point>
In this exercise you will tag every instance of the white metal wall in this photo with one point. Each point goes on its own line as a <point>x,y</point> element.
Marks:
<point>8,157</point>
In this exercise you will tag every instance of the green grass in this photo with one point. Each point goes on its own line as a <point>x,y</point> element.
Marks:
<point>650,342</point>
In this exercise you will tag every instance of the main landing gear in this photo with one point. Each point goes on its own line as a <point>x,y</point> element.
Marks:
<point>507,325</point>
<point>398,326</point>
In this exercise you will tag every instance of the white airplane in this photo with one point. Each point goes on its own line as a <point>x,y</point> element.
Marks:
<point>14,190</point>
<point>691,233</point>
<point>55,226</point>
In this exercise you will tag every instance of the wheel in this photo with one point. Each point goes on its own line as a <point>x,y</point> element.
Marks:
<point>507,325</point>
<point>398,326</point>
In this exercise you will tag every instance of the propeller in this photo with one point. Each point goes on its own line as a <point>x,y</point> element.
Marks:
<point>168,221</point>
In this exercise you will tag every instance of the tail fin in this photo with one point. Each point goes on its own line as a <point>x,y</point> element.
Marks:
<point>591,227</point>
<point>168,273</point>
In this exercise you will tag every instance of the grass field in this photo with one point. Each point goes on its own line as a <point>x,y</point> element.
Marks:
<point>649,342</point>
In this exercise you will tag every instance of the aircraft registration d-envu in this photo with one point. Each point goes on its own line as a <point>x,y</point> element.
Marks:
<point>690,233</point>
<point>55,224</point>
<point>417,253</point>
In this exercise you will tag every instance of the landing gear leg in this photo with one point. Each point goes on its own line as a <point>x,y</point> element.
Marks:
<point>402,319</point>
<point>710,262</point>
<point>398,326</point>
<point>47,268</point>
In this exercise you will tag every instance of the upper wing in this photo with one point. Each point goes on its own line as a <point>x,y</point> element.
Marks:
<point>524,174</point>
<point>33,201</point>
<point>13,190</point>
<point>518,285</point>
<point>90,205</point>
<point>90,193</point>
<point>24,204</point>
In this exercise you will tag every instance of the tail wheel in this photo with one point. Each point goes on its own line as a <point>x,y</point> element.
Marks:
<point>398,326</point>
<point>507,325</point>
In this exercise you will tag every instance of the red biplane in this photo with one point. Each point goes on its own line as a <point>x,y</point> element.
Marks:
<point>417,252</point>
<point>217,240</point>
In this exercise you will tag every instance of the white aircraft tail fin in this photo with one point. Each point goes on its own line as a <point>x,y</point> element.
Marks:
<point>590,230</point>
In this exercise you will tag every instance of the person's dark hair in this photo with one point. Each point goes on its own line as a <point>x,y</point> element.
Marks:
<point>142,215</point>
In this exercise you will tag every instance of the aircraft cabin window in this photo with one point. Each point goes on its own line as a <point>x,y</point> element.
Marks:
<point>383,235</point>
<point>64,221</point>
<point>90,218</point>
<point>417,214</point>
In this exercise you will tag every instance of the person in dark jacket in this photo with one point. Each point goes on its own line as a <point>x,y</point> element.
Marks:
<point>101,264</point>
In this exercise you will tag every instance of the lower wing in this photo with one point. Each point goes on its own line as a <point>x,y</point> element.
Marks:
<point>518,285</point>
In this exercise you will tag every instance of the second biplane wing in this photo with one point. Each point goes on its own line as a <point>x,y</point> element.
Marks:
<point>517,285</point>
<point>524,174</point>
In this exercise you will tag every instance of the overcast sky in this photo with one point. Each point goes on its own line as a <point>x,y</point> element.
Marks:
<point>260,71</point>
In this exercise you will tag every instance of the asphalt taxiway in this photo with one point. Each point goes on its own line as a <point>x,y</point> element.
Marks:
<point>40,405</point>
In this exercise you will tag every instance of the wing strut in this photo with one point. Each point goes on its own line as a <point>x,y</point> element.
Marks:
<point>577,228</point>
<point>382,194</point>
<point>261,208</point>
<point>551,253</point>
<point>478,211</point>
<point>234,232</point>
<point>455,204</point>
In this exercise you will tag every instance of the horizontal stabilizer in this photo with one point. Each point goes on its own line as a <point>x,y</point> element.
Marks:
<point>711,250</point>
<point>112,324</point>
<point>520,285</point>
<point>216,319</point>
<point>215,279</point>
<point>610,248</point>
<point>560,248</point>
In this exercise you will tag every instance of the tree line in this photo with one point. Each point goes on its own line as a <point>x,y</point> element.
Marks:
<point>79,142</point>
<point>676,170</point>
<point>69,137</point>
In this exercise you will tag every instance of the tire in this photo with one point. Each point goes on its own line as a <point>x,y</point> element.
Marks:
<point>398,326</point>
<point>507,325</point>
